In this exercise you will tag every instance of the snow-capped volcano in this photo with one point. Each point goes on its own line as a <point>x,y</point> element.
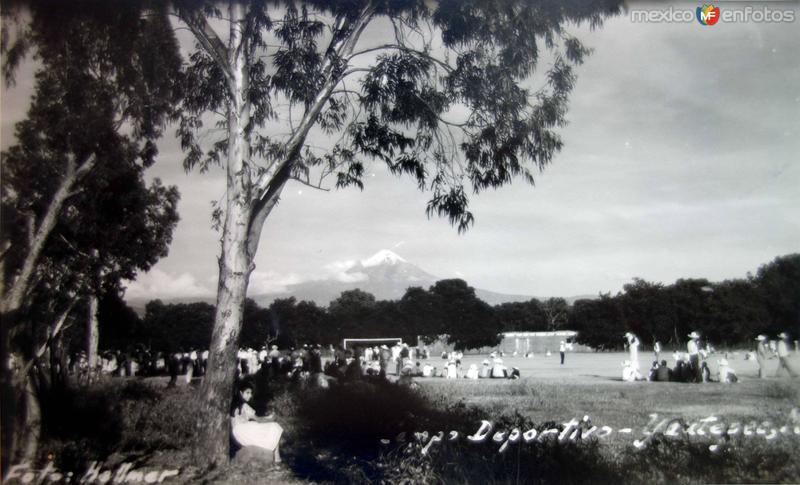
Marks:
<point>385,275</point>
<point>389,275</point>
<point>384,256</point>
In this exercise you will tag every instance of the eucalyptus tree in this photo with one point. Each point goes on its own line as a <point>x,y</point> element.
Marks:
<point>77,215</point>
<point>105,81</point>
<point>447,93</point>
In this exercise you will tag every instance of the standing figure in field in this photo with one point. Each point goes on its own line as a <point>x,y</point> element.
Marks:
<point>563,349</point>
<point>657,350</point>
<point>693,350</point>
<point>633,348</point>
<point>761,355</point>
<point>783,355</point>
<point>384,358</point>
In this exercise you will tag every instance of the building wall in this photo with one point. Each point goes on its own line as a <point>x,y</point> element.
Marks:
<point>539,342</point>
<point>520,342</point>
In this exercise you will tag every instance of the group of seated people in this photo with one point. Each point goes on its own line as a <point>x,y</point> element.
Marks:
<point>682,372</point>
<point>454,370</point>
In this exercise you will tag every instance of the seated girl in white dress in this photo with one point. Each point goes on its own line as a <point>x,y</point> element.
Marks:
<point>251,430</point>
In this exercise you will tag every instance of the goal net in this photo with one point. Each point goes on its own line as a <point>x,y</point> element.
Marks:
<point>352,343</point>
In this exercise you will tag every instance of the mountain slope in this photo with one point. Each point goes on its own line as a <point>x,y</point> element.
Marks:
<point>384,274</point>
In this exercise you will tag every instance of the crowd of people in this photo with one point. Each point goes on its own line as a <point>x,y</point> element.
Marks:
<point>693,366</point>
<point>306,365</point>
<point>319,366</point>
<point>407,361</point>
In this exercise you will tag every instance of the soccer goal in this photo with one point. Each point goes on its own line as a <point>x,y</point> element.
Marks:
<point>371,342</point>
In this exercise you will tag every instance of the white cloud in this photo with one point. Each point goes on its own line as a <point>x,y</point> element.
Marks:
<point>160,284</point>
<point>354,277</point>
<point>341,271</point>
<point>339,266</point>
<point>271,282</point>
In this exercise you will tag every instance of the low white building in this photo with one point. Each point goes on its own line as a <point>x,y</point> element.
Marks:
<point>539,342</point>
<point>521,343</point>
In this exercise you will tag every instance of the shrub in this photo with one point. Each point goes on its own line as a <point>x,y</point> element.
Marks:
<point>88,424</point>
<point>670,460</point>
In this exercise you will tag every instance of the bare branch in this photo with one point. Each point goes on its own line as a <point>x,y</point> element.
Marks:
<point>346,92</point>
<point>71,246</point>
<point>308,183</point>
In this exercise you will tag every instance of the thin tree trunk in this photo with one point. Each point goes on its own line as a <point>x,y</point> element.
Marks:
<point>30,428</point>
<point>92,334</point>
<point>13,296</point>
<point>234,263</point>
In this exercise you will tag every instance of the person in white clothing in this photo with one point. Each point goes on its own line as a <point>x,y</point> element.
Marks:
<point>451,371</point>
<point>693,350</point>
<point>633,348</point>
<point>630,373</point>
<point>761,355</point>
<point>486,370</point>
<point>251,430</point>
<point>499,371</point>
<point>783,355</point>
<point>726,374</point>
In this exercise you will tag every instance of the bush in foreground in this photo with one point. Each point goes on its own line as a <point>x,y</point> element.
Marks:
<point>364,432</point>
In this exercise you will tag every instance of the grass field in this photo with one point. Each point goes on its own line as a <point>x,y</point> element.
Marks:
<point>591,384</point>
<point>599,367</point>
<point>334,435</point>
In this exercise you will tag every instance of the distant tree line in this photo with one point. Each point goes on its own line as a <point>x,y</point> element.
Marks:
<point>727,313</point>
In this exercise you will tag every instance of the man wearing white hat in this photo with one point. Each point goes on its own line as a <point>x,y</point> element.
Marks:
<point>783,355</point>
<point>694,356</point>
<point>761,355</point>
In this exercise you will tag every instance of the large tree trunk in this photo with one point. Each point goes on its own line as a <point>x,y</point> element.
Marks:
<point>235,264</point>
<point>245,214</point>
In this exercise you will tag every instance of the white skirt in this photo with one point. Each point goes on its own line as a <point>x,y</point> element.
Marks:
<point>253,433</point>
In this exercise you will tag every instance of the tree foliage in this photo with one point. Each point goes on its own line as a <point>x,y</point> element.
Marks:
<point>103,92</point>
<point>77,215</point>
<point>452,98</point>
<point>300,93</point>
<point>727,314</point>
<point>177,327</point>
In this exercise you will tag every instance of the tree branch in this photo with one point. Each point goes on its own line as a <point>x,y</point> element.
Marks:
<point>51,334</point>
<point>447,67</point>
<point>13,299</point>
<point>269,185</point>
<point>208,38</point>
<point>308,183</point>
